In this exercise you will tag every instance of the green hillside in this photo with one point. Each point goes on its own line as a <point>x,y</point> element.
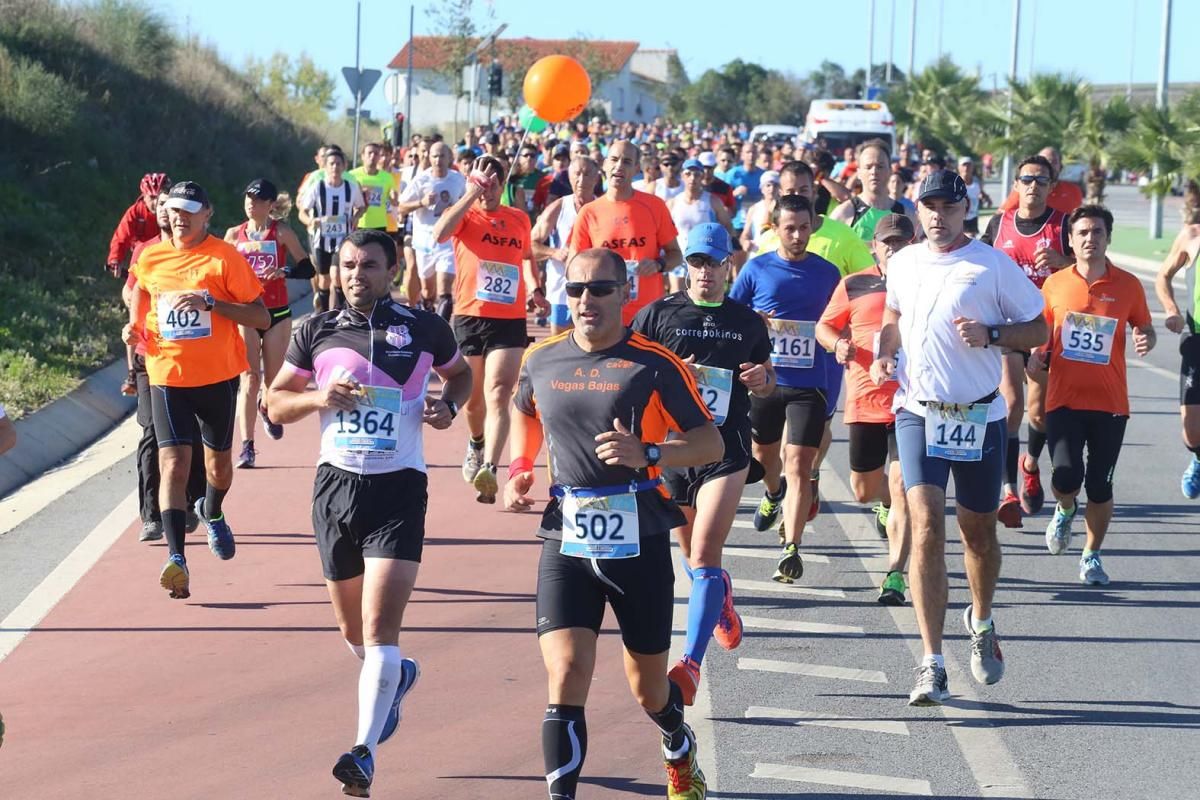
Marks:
<point>91,97</point>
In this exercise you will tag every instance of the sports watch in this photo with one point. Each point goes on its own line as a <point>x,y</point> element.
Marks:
<point>653,454</point>
<point>208,300</point>
<point>993,336</point>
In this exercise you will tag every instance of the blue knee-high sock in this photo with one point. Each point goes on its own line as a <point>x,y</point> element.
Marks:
<point>687,568</point>
<point>704,609</point>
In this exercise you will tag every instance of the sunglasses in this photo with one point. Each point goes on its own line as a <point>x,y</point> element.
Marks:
<point>704,262</point>
<point>1040,180</point>
<point>594,288</point>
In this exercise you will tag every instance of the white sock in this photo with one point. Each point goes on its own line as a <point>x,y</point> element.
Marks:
<point>934,660</point>
<point>377,684</point>
<point>357,649</point>
<point>980,625</point>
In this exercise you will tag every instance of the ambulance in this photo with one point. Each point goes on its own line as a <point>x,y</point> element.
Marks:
<point>838,124</point>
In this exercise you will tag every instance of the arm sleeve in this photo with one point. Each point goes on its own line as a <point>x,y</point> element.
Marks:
<point>643,323</point>
<point>412,191</point>
<point>837,312</point>
<point>743,287</point>
<point>445,348</point>
<point>989,235</point>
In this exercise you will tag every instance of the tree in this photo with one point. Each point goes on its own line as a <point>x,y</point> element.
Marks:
<point>1168,137</point>
<point>830,80</point>
<point>742,92</point>
<point>1097,129</point>
<point>295,87</point>
<point>1046,112</point>
<point>454,21</point>
<point>943,108</point>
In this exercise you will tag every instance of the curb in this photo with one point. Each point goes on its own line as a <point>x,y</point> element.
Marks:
<point>66,427</point>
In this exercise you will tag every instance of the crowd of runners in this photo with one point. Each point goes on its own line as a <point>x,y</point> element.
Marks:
<point>709,303</point>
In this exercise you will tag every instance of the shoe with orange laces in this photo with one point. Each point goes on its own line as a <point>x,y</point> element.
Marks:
<point>1033,496</point>
<point>815,508</point>
<point>1009,513</point>
<point>728,631</point>
<point>685,781</point>
<point>686,675</point>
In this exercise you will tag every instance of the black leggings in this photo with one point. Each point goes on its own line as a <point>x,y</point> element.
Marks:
<point>1068,430</point>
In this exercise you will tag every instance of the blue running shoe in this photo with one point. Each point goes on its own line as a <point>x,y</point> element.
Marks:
<point>410,673</point>
<point>175,579</point>
<point>220,537</point>
<point>1058,532</point>
<point>355,770</point>
<point>1190,485</point>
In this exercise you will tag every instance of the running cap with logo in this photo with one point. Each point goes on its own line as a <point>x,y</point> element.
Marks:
<point>942,184</point>
<point>187,196</point>
<point>708,158</point>
<point>693,163</point>
<point>894,226</point>
<point>709,239</point>
<point>262,189</point>
<point>770,176</point>
<point>964,160</point>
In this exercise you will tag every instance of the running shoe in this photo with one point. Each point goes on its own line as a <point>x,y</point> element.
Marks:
<point>685,781</point>
<point>274,430</point>
<point>1190,485</point>
<point>987,662</point>
<point>891,591</point>
<point>356,770</point>
<point>728,631</point>
<point>881,513</point>
<point>1033,496</point>
<point>1058,532</point>
<point>932,687</point>
<point>790,566</point>
<point>410,673</point>
<point>686,675</point>
<point>485,484</point>
<point>175,579</point>
<point>1091,571</point>
<point>151,531</point>
<point>815,508</point>
<point>246,458</point>
<point>1009,513</point>
<point>472,462</point>
<point>191,521</point>
<point>220,536</point>
<point>768,509</point>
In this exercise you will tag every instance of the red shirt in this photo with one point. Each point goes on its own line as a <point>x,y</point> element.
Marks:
<point>137,225</point>
<point>264,255</point>
<point>1064,197</point>
<point>1023,248</point>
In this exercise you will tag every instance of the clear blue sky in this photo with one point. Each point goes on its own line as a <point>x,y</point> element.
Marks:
<point>1096,43</point>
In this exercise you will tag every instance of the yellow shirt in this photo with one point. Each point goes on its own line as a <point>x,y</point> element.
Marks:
<point>377,191</point>
<point>836,242</point>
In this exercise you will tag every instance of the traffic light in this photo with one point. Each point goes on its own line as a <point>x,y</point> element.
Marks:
<point>398,131</point>
<point>495,79</point>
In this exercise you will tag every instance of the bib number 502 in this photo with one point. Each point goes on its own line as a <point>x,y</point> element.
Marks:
<point>371,422</point>
<point>600,527</point>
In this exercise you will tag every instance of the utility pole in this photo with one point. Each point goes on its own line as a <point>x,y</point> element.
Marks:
<point>912,39</point>
<point>1006,170</point>
<point>408,87</point>
<point>887,78</point>
<point>870,47</point>
<point>357,68</point>
<point>1156,201</point>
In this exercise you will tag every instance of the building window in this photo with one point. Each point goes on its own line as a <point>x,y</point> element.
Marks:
<point>620,99</point>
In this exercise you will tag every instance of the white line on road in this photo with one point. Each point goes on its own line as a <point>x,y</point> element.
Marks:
<point>833,777</point>
<point>826,720</point>
<point>798,626</point>
<point>812,670</point>
<point>784,588</point>
<point>752,552</point>
<point>38,603</point>
<point>1165,373</point>
<point>699,715</point>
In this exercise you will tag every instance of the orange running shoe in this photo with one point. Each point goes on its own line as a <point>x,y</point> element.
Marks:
<point>686,674</point>
<point>728,630</point>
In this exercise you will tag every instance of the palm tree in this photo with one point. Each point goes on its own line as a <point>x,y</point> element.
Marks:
<point>1092,137</point>
<point>1167,137</point>
<point>943,108</point>
<point>1045,110</point>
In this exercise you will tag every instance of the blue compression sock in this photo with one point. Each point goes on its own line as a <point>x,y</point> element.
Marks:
<point>686,568</point>
<point>704,609</point>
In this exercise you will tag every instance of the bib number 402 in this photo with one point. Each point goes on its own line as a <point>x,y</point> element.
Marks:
<point>183,318</point>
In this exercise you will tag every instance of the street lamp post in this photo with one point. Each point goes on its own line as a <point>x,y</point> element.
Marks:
<point>1156,200</point>
<point>1006,170</point>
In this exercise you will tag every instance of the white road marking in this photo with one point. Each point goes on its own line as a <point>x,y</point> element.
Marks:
<point>991,764</point>
<point>834,777</point>
<point>699,714</point>
<point>1165,373</point>
<point>784,588</point>
<point>812,670</point>
<point>38,603</point>
<point>745,523</point>
<point>826,720</point>
<point>799,626</point>
<point>772,555</point>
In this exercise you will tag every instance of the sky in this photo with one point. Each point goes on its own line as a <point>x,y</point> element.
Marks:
<point>1100,45</point>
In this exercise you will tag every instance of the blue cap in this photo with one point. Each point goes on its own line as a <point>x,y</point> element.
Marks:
<point>693,163</point>
<point>710,239</point>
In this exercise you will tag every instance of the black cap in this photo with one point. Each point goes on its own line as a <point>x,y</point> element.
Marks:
<point>942,184</point>
<point>561,150</point>
<point>262,189</point>
<point>188,196</point>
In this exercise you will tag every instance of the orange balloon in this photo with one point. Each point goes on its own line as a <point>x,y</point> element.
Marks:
<point>557,88</point>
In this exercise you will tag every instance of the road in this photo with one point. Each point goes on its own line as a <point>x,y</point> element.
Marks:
<point>1127,204</point>
<point>247,691</point>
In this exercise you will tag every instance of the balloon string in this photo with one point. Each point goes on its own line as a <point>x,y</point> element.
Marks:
<point>513,164</point>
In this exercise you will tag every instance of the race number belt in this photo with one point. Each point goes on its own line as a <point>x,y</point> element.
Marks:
<point>188,323</point>
<point>601,522</point>
<point>955,431</point>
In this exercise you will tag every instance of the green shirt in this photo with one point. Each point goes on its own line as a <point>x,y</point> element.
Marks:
<point>376,191</point>
<point>836,242</point>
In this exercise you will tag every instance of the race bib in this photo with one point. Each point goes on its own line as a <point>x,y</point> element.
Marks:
<point>371,425</point>
<point>631,272</point>
<point>333,227</point>
<point>600,527</point>
<point>1087,337</point>
<point>187,324</point>
<point>793,342</point>
<point>955,431</point>
<point>498,283</point>
<point>262,256</point>
<point>715,386</point>
<point>373,196</point>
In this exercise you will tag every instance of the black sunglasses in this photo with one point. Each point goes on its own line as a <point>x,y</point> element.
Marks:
<point>1040,180</point>
<point>594,288</point>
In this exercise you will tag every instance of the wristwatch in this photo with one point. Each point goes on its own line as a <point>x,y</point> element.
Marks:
<point>653,455</point>
<point>208,300</point>
<point>450,404</point>
<point>993,336</point>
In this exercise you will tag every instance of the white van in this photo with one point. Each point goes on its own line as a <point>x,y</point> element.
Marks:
<point>838,124</point>
<point>776,134</point>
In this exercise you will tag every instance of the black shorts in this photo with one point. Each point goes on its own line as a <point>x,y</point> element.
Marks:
<point>571,593</point>
<point>1068,431</point>
<point>684,483</point>
<point>367,516</point>
<point>1189,370</point>
<point>971,225</point>
<point>478,336</point>
<point>870,444</point>
<point>278,315</point>
<point>322,260</point>
<point>804,411</point>
<point>178,409</point>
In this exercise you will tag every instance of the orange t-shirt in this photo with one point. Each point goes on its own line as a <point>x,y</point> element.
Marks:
<point>194,348</point>
<point>1064,197</point>
<point>857,303</point>
<point>635,229</point>
<point>1084,382</point>
<point>144,304</point>
<point>492,254</point>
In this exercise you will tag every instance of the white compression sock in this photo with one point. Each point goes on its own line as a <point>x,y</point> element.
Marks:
<point>377,684</point>
<point>357,649</point>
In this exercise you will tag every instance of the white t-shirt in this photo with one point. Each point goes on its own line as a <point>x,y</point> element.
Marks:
<point>667,192</point>
<point>447,190</point>
<point>930,290</point>
<point>973,190</point>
